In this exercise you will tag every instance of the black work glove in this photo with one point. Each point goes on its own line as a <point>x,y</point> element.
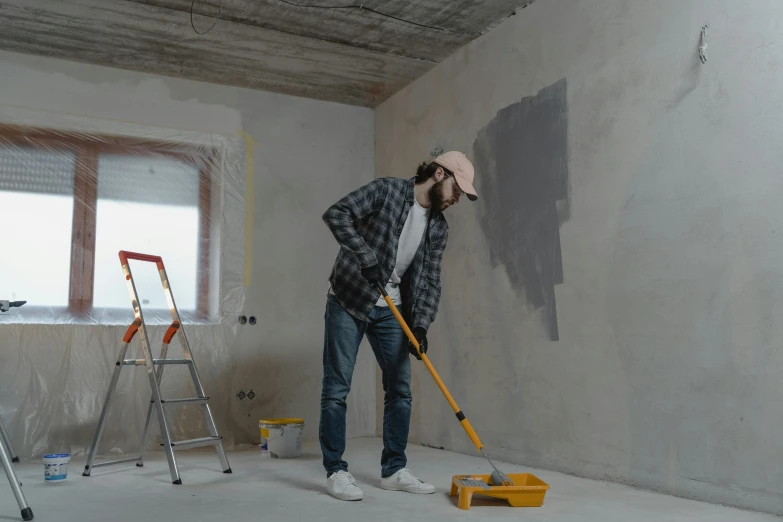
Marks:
<point>372,274</point>
<point>421,336</point>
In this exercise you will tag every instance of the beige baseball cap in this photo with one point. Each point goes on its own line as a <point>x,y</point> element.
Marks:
<point>462,168</point>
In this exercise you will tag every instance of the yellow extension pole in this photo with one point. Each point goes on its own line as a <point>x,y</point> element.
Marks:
<point>461,416</point>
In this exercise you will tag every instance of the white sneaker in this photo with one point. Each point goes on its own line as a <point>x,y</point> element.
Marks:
<point>342,485</point>
<point>404,480</point>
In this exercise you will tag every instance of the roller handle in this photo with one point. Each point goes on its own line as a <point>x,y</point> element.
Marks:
<point>125,256</point>
<point>460,416</point>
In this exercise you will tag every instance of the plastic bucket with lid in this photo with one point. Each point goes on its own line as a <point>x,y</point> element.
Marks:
<point>56,466</point>
<point>282,438</point>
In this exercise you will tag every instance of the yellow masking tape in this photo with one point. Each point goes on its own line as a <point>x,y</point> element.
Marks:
<point>249,205</point>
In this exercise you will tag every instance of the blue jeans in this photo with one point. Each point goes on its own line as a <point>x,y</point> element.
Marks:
<point>342,336</point>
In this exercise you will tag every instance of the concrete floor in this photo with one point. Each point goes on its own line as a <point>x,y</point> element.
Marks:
<point>294,490</point>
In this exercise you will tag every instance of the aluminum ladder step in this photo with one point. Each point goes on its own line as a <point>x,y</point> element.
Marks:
<point>109,463</point>
<point>196,443</point>
<point>140,362</point>
<point>181,402</point>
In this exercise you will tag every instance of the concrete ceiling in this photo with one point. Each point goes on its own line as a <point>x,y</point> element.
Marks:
<point>359,56</point>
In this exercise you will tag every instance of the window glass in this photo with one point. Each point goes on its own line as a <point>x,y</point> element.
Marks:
<point>148,205</point>
<point>36,219</point>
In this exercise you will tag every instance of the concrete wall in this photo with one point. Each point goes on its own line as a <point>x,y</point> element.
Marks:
<point>307,155</point>
<point>612,302</point>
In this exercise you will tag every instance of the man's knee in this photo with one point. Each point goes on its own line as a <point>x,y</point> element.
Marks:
<point>400,386</point>
<point>399,374</point>
<point>335,394</point>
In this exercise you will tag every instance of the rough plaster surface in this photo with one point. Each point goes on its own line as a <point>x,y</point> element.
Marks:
<point>308,154</point>
<point>667,371</point>
<point>345,55</point>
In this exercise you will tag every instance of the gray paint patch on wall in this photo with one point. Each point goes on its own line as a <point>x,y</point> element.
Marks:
<point>521,161</point>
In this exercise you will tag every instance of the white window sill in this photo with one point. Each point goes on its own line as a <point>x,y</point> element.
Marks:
<point>98,317</point>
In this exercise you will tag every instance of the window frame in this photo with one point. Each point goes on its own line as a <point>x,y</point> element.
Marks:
<point>88,147</point>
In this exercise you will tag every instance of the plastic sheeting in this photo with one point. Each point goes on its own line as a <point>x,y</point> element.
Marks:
<point>72,194</point>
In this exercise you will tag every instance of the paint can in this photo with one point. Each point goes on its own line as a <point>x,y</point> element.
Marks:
<point>56,466</point>
<point>281,438</point>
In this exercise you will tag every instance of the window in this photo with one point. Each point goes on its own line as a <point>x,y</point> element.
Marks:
<point>70,204</point>
<point>36,202</point>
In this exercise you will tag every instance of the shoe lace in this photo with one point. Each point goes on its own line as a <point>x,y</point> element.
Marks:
<point>343,478</point>
<point>405,473</point>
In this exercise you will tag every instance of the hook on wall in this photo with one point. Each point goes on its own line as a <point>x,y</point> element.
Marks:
<point>703,45</point>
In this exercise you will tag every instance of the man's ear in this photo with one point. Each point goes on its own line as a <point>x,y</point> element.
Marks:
<point>440,174</point>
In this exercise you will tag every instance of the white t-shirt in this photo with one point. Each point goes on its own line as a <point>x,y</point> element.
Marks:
<point>410,239</point>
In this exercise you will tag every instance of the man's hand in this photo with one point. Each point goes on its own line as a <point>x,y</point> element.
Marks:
<point>372,273</point>
<point>421,336</point>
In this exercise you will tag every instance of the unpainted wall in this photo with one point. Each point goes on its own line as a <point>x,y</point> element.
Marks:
<point>307,154</point>
<point>658,239</point>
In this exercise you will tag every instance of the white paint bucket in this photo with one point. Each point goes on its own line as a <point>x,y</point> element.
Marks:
<point>282,438</point>
<point>56,466</point>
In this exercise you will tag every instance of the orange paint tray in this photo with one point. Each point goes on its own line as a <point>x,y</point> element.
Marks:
<point>527,491</point>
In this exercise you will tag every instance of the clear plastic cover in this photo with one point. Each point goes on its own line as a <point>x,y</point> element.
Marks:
<point>73,193</point>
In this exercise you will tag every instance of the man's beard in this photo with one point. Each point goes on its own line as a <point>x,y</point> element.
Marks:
<point>436,196</point>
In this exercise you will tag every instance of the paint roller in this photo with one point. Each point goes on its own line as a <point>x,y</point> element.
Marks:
<point>497,478</point>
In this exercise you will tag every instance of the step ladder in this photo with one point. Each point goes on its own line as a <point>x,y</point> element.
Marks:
<point>155,372</point>
<point>7,456</point>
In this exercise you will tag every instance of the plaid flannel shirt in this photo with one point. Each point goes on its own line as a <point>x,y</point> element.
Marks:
<point>367,224</point>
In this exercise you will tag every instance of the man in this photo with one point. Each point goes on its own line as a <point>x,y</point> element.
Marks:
<point>391,232</point>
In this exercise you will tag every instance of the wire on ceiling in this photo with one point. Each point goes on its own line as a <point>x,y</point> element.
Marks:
<point>347,6</point>
<point>371,10</point>
<point>220,9</point>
